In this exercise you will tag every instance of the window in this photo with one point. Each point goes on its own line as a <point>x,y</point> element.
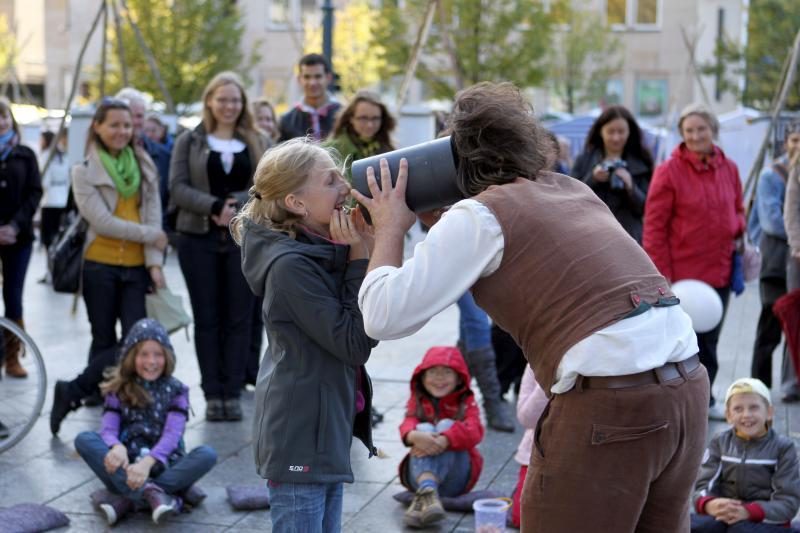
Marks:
<point>651,98</point>
<point>614,92</point>
<point>280,12</point>
<point>639,14</point>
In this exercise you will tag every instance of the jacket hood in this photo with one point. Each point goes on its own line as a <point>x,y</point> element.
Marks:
<point>448,356</point>
<point>262,246</point>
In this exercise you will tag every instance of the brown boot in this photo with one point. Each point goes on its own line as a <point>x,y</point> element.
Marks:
<point>14,349</point>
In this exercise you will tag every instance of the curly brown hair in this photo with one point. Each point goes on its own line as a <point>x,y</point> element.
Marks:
<point>496,137</point>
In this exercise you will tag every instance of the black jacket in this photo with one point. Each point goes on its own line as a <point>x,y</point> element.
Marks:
<point>628,208</point>
<point>305,414</point>
<point>20,191</point>
<point>297,123</point>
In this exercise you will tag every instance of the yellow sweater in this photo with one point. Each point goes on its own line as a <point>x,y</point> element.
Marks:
<point>114,251</point>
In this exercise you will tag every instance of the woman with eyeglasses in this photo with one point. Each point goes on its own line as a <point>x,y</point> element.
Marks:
<point>116,190</point>
<point>210,175</point>
<point>363,128</point>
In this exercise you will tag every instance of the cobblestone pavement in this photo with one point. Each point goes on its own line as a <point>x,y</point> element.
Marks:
<point>44,469</point>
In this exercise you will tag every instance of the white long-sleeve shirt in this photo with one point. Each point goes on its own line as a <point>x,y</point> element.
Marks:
<point>466,245</point>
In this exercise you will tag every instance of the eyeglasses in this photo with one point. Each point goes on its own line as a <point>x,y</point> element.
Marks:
<point>376,120</point>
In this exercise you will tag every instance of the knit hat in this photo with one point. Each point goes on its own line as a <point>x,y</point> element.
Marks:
<point>751,385</point>
<point>146,329</point>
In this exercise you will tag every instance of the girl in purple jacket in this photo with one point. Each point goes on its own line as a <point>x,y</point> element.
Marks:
<point>139,453</point>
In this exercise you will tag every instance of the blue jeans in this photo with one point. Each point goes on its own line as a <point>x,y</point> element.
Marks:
<point>305,507</point>
<point>703,523</point>
<point>15,259</point>
<point>474,328</point>
<point>112,293</point>
<point>451,469</point>
<point>175,479</point>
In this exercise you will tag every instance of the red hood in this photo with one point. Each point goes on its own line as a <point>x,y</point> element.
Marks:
<point>694,160</point>
<point>448,356</point>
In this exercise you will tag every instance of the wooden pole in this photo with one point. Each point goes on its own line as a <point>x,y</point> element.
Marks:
<point>103,51</point>
<point>75,78</point>
<point>752,179</point>
<point>151,60</point>
<point>120,47</point>
<point>411,68</point>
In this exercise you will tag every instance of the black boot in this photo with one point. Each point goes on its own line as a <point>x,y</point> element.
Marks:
<point>64,401</point>
<point>481,364</point>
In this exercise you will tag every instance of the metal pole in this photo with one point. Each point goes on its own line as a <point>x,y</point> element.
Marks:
<point>327,32</point>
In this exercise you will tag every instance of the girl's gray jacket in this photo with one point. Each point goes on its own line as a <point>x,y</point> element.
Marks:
<point>762,471</point>
<point>305,414</point>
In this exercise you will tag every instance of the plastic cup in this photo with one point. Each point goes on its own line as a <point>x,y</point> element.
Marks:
<point>490,515</point>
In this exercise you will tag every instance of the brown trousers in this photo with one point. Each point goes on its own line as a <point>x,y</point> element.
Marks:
<point>618,460</point>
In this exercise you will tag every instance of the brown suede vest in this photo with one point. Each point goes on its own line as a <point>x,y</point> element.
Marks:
<point>568,268</point>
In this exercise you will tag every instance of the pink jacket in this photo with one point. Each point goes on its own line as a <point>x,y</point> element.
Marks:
<point>530,405</point>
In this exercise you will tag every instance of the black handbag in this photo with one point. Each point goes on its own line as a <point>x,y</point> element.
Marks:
<point>65,256</point>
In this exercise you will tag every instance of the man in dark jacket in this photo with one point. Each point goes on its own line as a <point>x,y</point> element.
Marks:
<point>316,113</point>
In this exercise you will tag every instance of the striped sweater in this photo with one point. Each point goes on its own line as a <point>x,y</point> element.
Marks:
<point>762,473</point>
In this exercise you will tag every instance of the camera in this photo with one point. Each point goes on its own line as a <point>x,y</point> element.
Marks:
<point>611,166</point>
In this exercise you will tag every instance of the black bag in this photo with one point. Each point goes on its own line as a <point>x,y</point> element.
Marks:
<point>65,256</point>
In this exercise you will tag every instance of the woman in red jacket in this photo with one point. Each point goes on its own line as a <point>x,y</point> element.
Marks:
<point>443,427</point>
<point>693,215</point>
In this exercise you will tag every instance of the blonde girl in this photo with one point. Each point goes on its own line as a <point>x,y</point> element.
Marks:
<point>307,257</point>
<point>139,453</point>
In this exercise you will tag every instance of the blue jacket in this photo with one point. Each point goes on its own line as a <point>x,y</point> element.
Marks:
<point>767,215</point>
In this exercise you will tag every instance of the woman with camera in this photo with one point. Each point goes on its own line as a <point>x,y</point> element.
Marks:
<point>695,214</point>
<point>617,167</point>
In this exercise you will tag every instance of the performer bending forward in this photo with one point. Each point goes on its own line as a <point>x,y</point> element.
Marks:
<point>620,442</point>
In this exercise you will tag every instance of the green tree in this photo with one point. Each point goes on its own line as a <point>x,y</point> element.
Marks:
<point>771,30</point>
<point>471,41</point>
<point>8,49</point>
<point>191,41</point>
<point>585,56</point>
<point>356,59</point>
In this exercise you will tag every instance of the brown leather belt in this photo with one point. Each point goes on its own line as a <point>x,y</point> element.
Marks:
<point>668,372</point>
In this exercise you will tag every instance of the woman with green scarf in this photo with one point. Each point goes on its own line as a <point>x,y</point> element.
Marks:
<point>116,190</point>
<point>362,129</point>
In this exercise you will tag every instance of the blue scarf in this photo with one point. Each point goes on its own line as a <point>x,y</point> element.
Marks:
<point>7,142</point>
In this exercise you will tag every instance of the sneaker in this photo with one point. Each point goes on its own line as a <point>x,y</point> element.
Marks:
<point>717,412</point>
<point>233,409</point>
<point>162,504</point>
<point>425,509</point>
<point>193,496</point>
<point>115,508</point>
<point>215,411</point>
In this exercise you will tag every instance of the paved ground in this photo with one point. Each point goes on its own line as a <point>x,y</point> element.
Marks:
<point>47,470</point>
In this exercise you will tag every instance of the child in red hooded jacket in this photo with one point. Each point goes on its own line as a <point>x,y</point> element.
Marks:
<point>443,428</point>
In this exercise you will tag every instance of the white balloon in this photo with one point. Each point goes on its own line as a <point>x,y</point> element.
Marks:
<point>701,302</point>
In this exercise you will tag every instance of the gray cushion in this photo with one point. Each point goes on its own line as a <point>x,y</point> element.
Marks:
<point>248,497</point>
<point>30,518</point>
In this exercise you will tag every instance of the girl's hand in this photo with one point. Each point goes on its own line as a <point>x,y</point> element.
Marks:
<point>8,234</point>
<point>343,230</point>
<point>139,472</point>
<point>157,277</point>
<point>720,507</point>
<point>424,443</point>
<point>366,231</point>
<point>117,457</point>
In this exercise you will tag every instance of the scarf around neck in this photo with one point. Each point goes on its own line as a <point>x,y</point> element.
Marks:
<point>8,141</point>
<point>123,169</point>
